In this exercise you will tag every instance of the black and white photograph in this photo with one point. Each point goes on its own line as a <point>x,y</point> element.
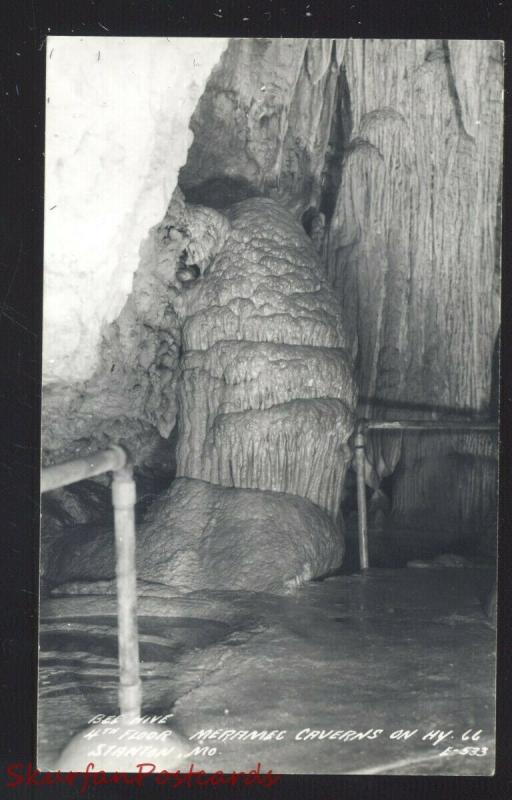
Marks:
<point>270,406</point>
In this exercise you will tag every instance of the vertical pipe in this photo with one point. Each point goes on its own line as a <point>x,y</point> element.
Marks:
<point>362,524</point>
<point>123,500</point>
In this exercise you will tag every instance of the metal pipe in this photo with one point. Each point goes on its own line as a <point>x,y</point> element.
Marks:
<point>115,460</point>
<point>364,425</point>
<point>362,519</point>
<point>428,425</point>
<point>72,471</point>
<point>123,500</point>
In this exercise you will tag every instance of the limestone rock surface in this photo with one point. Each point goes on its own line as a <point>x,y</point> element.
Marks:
<point>265,121</point>
<point>415,237</point>
<point>117,132</point>
<point>131,396</point>
<point>199,536</point>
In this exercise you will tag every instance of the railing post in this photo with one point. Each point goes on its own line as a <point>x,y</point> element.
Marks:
<point>123,500</point>
<point>362,518</point>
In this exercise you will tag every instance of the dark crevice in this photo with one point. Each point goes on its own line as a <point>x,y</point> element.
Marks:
<point>220,192</point>
<point>339,138</point>
<point>452,87</point>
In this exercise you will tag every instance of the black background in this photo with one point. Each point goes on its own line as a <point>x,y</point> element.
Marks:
<point>25,25</point>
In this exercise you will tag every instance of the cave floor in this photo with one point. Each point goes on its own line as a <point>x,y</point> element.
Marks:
<point>390,651</point>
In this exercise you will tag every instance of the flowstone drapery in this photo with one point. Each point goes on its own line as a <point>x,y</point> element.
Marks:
<point>266,392</point>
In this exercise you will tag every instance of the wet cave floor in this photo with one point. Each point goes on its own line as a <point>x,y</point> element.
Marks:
<point>391,650</point>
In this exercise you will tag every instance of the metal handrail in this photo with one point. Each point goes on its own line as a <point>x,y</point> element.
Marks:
<point>58,475</point>
<point>424,424</point>
<point>365,425</point>
<point>117,461</point>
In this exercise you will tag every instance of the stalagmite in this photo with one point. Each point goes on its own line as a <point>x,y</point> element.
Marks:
<point>265,406</point>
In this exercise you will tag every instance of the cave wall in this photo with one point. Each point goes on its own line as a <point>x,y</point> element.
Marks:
<point>265,120</point>
<point>414,238</point>
<point>117,132</point>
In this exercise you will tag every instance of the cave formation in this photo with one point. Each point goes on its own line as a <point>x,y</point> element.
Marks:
<point>265,399</point>
<point>298,234</point>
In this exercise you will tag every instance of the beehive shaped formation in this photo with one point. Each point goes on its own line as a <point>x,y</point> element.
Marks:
<point>266,393</point>
<point>265,406</point>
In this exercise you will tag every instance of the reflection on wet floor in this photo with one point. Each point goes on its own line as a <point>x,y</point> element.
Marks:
<point>160,639</point>
<point>390,650</point>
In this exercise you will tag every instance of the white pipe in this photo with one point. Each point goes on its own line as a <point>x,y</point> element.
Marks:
<point>72,471</point>
<point>123,500</point>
